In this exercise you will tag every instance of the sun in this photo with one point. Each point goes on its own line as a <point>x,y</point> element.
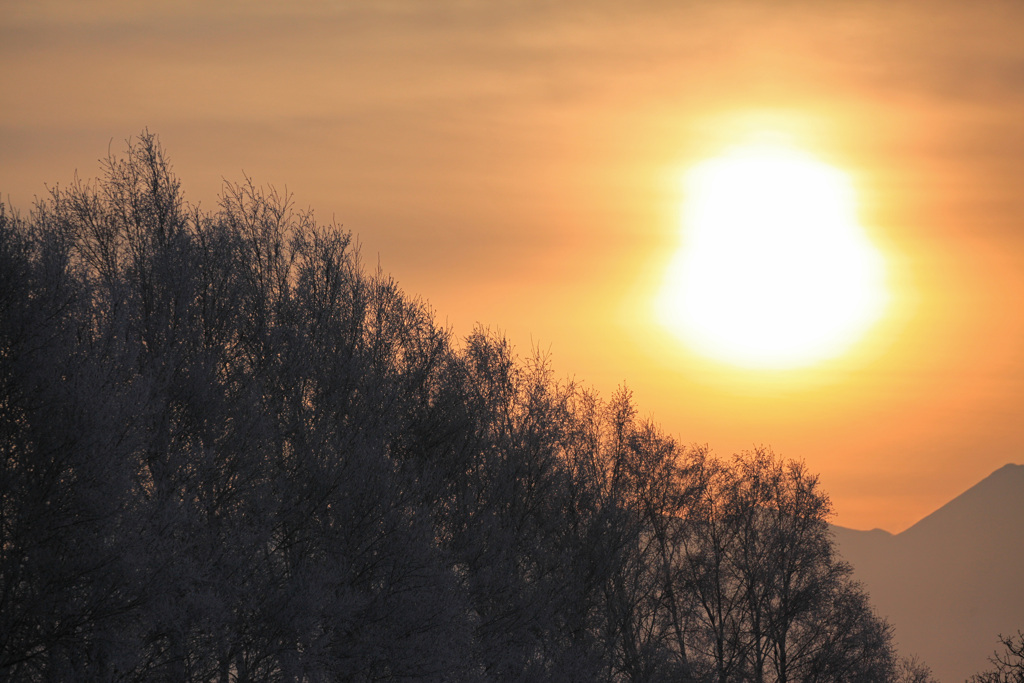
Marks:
<point>774,271</point>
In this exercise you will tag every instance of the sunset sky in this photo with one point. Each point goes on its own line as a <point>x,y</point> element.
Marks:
<point>523,165</point>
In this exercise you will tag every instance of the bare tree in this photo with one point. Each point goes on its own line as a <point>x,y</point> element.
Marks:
<point>1008,665</point>
<point>231,454</point>
<point>913,670</point>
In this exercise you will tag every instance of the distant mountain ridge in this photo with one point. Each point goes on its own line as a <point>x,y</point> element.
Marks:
<point>952,582</point>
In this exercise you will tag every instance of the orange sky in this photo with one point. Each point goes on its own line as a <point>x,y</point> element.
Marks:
<point>518,164</point>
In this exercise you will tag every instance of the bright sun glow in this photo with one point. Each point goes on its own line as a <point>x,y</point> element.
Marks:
<point>774,271</point>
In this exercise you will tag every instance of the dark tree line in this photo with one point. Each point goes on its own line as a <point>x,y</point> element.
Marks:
<point>231,453</point>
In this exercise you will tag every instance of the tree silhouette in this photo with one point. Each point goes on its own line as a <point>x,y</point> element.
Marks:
<point>1008,665</point>
<point>230,453</point>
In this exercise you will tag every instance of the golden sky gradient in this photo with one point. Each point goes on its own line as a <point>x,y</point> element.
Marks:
<point>520,165</point>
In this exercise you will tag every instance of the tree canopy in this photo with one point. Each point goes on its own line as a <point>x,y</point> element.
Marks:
<point>230,452</point>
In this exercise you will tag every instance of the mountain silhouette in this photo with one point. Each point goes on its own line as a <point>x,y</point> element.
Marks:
<point>951,583</point>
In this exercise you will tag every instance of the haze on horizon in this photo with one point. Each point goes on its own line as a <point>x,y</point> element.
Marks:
<point>520,165</point>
